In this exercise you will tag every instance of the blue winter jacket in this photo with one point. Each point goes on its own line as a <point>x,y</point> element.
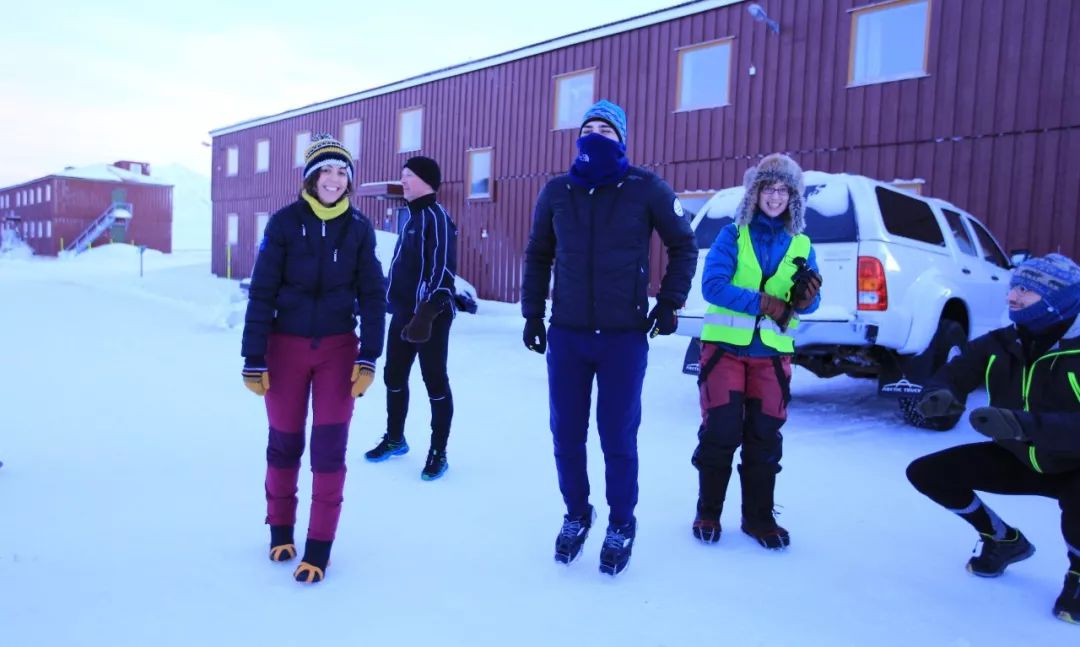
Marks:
<point>425,259</point>
<point>311,277</point>
<point>598,242</point>
<point>770,241</point>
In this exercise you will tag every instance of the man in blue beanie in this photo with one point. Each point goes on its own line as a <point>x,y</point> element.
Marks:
<point>1030,371</point>
<point>593,225</point>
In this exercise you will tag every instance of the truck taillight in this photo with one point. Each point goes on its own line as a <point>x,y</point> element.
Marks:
<point>873,293</point>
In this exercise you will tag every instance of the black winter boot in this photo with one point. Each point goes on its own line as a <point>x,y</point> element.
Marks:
<point>572,536</point>
<point>1067,605</point>
<point>712,489</point>
<point>312,568</point>
<point>997,554</point>
<point>759,520</point>
<point>282,546</point>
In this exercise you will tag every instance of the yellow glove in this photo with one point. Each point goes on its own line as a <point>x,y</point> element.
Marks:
<point>256,377</point>
<point>363,374</point>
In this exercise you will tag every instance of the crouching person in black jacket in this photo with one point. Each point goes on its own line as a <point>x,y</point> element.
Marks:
<point>420,298</point>
<point>1030,371</point>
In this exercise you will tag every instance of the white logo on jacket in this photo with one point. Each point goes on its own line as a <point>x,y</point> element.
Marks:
<point>677,207</point>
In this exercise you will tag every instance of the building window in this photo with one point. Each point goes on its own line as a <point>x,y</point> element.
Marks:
<point>234,229</point>
<point>480,173</point>
<point>303,140</point>
<point>37,196</point>
<point>410,129</point>
<point>350,137</point>
<point>262,156</point>
<point>48,229</point>
<point>704,75</point>
<point>232,161</point>
<point>889,41</point>
<point>574,94</point>
<point>261,218</point>
<point>48,192</point>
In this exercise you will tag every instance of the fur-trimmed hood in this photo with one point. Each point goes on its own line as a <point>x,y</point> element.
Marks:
<point>774,168</point>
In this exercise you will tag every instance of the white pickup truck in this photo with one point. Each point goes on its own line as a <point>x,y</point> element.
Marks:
<point>907,281</point>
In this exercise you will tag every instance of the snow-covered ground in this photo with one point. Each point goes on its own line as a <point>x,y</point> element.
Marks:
<point>131,500</point>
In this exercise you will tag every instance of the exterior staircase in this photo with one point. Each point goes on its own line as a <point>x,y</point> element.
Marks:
<point>118,214</point>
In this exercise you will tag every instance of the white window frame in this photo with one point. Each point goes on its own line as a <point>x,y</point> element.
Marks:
<point>48,193</point>
<point>232,161</point>
<point>570,118</point>
<point>261,220</point>
<point>232,229</point>
<point>682,87</point>
<point>48,229</point>
<point>301,141</point>
<point>414,142</point>
<point>262,155</point>
<point>347,130</point>
<point>854,52</point>
<point>475,154</point>
<point>38,195</point>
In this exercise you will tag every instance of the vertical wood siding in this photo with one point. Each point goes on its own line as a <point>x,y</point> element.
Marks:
<point>994,126</point>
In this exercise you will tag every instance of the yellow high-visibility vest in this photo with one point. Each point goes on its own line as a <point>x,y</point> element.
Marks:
<point>737,328</point>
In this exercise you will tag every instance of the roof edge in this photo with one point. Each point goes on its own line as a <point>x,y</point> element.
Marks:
<point>602,31</point>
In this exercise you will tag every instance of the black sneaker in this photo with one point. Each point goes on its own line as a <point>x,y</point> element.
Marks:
<point>615,554</point>
<point>435,466</point>
<point>996,554</point>
<point>387,448</point>
<point>1067,605</point>
<point>572,536</point>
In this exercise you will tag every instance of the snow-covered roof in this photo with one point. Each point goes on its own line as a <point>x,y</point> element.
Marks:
<point>110,173</point>
<point>630,24</point>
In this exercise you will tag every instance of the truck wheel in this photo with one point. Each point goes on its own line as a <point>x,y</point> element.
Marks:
<point>948,342</point>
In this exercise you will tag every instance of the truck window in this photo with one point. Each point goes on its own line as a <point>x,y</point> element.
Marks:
<point>830,214</point>
<point>909,217</point>
<point>959,232</point>
<point>991,251</point>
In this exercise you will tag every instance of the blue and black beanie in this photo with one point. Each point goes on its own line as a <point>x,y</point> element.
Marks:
<point>610,113</point>
<point>1056,279</point>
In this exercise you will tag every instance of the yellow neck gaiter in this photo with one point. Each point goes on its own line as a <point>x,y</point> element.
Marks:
<point>324,212</point>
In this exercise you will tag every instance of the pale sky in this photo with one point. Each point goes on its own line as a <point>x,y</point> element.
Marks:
<point>91,82</point>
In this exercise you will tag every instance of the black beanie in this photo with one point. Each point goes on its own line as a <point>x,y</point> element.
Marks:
<point>426,169</point>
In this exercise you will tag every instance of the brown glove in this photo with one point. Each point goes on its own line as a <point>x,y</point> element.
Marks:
<point>418,330</point>
<point>804,292</point>
<point>776,309</point>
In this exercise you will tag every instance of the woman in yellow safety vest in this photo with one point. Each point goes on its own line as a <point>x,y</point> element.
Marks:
<point>760,274</point>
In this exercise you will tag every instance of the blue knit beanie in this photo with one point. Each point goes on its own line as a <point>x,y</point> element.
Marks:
<point>1056,279</point>
<point>609,112</point>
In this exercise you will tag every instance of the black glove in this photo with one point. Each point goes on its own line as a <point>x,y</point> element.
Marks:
<point>662,319</point>
<point>535,335</point>
<point>997,423</point>
<point>418,330</point>
<point>940,403</point>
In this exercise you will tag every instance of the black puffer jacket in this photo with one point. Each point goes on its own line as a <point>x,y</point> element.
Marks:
<point>598,242</point>
<point>1049,386</point>
<point>311,277</point>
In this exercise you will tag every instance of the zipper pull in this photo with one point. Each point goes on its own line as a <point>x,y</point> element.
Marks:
<point>335,255</point>
<point>324,229</point>
<point>303,230</point>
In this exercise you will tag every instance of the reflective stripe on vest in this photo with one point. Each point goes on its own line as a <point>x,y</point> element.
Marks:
<point>737,328</point>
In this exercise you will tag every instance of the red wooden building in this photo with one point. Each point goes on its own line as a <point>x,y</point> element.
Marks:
<point>967,100</point>
<point>58,211</point>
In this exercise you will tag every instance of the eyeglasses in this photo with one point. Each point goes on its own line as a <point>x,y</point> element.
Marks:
<point>781,191</point>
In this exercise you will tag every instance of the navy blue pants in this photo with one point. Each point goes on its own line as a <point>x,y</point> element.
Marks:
<point>616,360</point>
